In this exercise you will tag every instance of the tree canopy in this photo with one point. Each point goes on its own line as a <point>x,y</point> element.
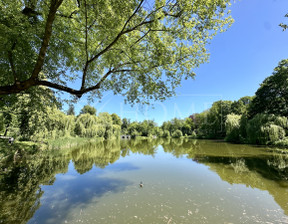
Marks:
<point>87,109</point>
<point>272,95</point>
<point>137,48</point>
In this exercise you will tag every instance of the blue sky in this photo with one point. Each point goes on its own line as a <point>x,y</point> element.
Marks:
<point>241,58</point>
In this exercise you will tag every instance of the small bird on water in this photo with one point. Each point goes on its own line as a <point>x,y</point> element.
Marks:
<point>141,184</point>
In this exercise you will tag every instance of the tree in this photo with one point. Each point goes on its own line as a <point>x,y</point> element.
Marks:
<point>87,109</point>
<point>214,125</point>
<point>71,110</point>
<point>25,113</point>
<point>125,124</point>
<point>266,129</point>
<point>232,125</point>
<point>116,119</point>
<point>241,106</point>
<point>137,48</point>
<point>272,96</point>
<point>177,134</point>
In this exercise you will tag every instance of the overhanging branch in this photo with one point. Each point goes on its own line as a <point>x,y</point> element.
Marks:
<point>55,4</point>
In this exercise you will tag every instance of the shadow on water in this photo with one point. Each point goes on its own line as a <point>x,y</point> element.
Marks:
<point>23,185</point>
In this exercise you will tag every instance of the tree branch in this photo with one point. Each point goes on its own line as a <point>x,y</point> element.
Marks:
<point>86,48</point>
<point>141,38</point>
<point>122,32</point>
<point>133,14</point>
<point>70,16</point>
<point>55,4</point>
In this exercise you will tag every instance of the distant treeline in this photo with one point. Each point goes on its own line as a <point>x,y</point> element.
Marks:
<point>261,119</point>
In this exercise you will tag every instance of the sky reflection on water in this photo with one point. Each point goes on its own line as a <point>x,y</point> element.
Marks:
<point>184,182</point>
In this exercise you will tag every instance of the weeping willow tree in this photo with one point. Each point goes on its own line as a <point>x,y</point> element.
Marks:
<point>138,48</point>
<point>232,125</point>
<point>266,129</point>
<point>103,125</point>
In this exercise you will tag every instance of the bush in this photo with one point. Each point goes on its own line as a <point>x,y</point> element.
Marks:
<point>177,134</point>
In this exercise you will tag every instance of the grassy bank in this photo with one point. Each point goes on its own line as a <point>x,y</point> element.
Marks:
<point>69,142</point>
<point>29,147</point>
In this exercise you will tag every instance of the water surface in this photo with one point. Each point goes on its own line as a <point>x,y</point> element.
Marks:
<point>184,181</point>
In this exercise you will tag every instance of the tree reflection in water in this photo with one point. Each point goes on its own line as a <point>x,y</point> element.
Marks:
<point>20,184</point>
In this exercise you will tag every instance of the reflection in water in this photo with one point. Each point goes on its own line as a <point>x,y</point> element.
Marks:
<point>23,185</point>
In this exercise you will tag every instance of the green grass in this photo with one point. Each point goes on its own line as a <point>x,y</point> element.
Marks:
<point>69,142</point>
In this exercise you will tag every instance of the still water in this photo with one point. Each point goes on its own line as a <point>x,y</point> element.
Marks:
<point>184,181</point>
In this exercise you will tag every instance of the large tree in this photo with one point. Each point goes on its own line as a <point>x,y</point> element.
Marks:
<point>272,95</point>
<point>138,48</point>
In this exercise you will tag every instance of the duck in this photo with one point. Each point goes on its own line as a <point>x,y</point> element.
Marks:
<point>141,184</point>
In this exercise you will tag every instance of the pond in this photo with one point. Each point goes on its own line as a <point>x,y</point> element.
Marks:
<point>148,181</point>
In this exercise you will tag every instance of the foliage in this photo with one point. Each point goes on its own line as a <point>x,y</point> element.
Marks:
<point>125,124</point>
<point>272,96</point>
<point>266,129</point>
<point>211,123</point>
<point>184,125</point>
<point>137,49</point>
<point>1,123</point>
<point>146,128</point>
<point>241,106</point>
<point>194,135</point>
<point>116,119</point>
<point>177,134</point>
<point>166,134</point>
<point>71,110</point>
<point>87,109</point>
<point>283,25</point>
<point>232,125</point>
